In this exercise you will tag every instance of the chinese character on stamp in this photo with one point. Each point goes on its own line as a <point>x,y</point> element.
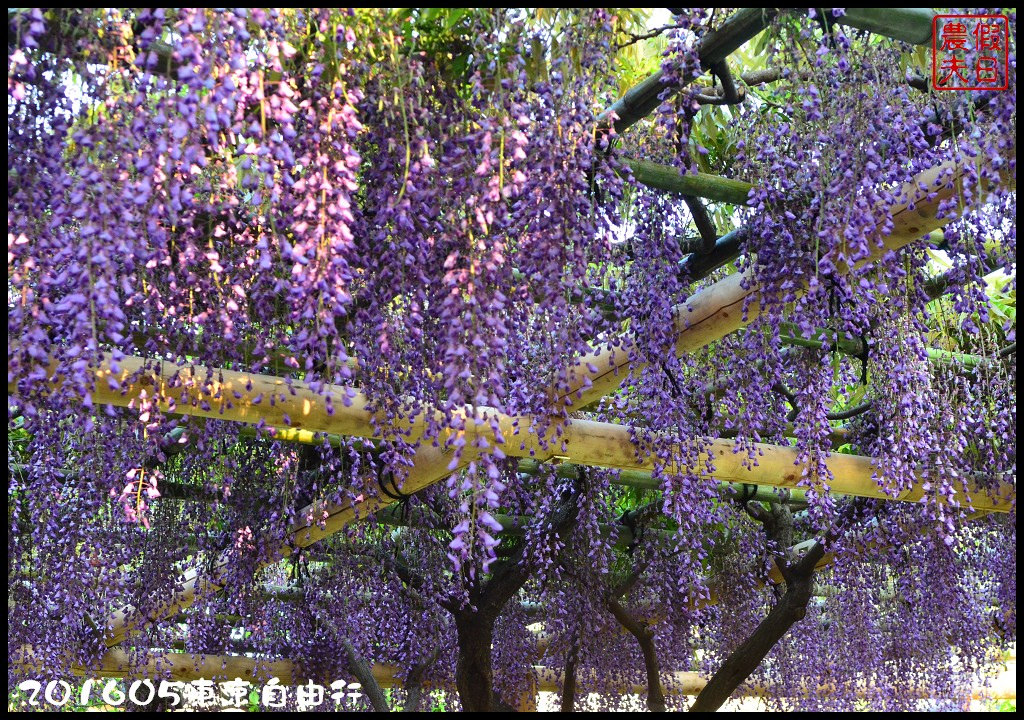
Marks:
<point>970,52</point>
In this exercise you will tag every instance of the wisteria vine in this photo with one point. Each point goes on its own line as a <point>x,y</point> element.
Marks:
<point>424,214</point>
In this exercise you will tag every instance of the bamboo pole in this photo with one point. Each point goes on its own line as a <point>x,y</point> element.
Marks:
<point>856,347</point>
<point>528,698</point>
<point>222,394</point>
<point>431,466</point>
<point>734,301</point>
<point>645,480</point>
<point>606,445</point>
<point>584,442</point>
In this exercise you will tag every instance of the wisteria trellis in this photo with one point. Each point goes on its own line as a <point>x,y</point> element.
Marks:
<point>270,273</point>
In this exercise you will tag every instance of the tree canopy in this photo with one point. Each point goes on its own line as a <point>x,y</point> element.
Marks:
<point>474,352</point>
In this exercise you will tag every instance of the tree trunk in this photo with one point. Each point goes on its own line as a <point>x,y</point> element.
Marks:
<point>414,697</point>
<point>745,659</point>
<point>474,676</point>
<point>655,695</point>
<point>645,638</point>
<point>414,683</point>
<point>569,681</point>
<point>364,674</point>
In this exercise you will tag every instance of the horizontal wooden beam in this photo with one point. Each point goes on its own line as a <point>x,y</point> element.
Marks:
<point>735,301</point>
<point>246,398</point>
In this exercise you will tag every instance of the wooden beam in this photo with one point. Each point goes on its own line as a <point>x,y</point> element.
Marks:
<point>233,396</point>
<point>431,465</point>
<point>734,301</point>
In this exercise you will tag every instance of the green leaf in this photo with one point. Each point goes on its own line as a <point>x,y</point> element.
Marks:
<point>454,17</point>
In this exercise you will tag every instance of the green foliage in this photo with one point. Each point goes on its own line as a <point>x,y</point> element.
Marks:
<point>438,702</point>
<point>254,701</point>
<point>444,34</point>
<point>17,435</point>
<point>1000,291</point>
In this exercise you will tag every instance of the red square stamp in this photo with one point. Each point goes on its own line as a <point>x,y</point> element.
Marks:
<point>970,52</point>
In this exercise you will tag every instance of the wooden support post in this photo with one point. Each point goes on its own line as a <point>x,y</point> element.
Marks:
<point>528,698</point>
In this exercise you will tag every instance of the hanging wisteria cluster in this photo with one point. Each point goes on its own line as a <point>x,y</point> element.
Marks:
<point>356,343</point>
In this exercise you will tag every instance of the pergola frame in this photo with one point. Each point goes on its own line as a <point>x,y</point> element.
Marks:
<point>300,414</point>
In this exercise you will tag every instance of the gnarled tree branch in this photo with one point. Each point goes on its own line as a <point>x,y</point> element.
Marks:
<point>790,609</point>
<point>569,682</point>
<point>645,638</point>
<point>474,623</point>
<point>364,674</point>
<point>414,683</point>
